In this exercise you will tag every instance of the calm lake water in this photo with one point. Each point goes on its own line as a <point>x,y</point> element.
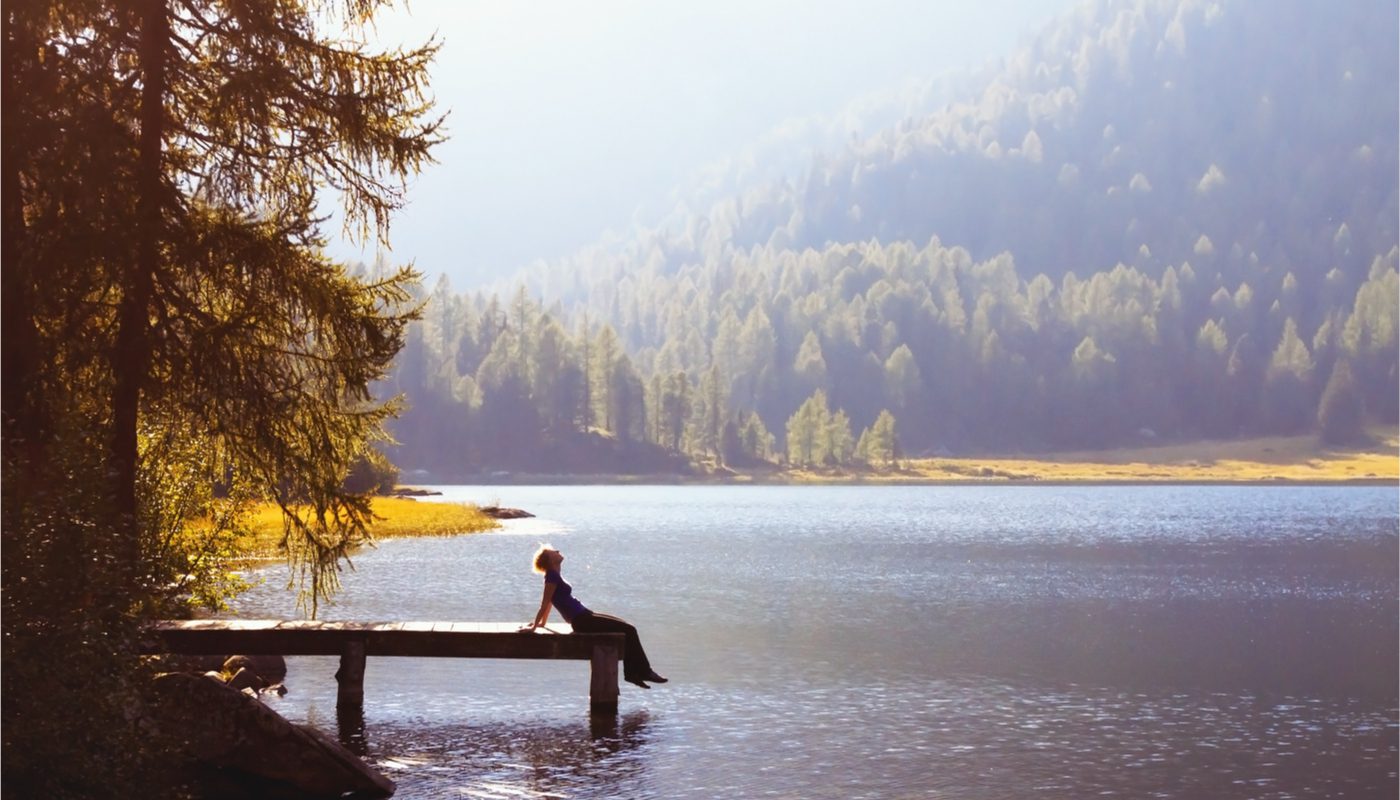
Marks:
<point>898,642</point>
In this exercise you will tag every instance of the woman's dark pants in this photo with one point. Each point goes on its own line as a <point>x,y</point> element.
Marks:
<point>635,666</point>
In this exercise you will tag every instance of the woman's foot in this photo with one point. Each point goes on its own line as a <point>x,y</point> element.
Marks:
<point>655,678</point>
<point>639,682</point>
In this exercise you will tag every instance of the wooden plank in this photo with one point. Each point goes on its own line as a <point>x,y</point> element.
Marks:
<point>251,624</point>
<point>354,626</point>
<point>479,645</point>
<point>304,625</point>
<point>194,624</point>
<point>260,642</point>
<point>355,641</point>
<point>420,639</point>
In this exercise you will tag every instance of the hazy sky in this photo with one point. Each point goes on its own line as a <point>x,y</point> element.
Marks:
<point>569,118</point>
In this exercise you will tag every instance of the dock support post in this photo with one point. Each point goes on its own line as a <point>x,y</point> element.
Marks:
<point>351,675</point>
<point>602,688</point>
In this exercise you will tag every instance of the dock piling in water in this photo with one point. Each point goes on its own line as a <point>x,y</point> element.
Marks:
<point>602,685</point>
<point>351,675</point>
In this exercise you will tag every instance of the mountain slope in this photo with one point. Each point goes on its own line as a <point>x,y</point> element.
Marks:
<point>1160,219</point>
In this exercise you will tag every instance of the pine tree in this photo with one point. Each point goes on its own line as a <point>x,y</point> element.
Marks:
<point>902,379</point>
<point>841,445</point>
<point>708,414</point>
<point>809,432</point>
<point>548,375</point>
<point>1340,417</point>
<point>863,448</point>
<point>223,306</point>
<point>810,365</point>
<point>755,439</point>
<point>877,443</point>
<point>585,339</point>
<point>606,351</point>
<point>676,409</point>
<point>627,407</point>
<point>655,398</point>
<point>164,283</point>
<point>1286,400</point>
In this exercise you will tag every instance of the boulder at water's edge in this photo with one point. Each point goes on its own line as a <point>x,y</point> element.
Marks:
<point>224,728</point>
<point>497,512</point>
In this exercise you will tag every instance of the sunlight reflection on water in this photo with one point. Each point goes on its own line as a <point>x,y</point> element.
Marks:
<point>537,528</point>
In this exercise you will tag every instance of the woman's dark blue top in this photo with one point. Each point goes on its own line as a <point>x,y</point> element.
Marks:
<point>563,598</point>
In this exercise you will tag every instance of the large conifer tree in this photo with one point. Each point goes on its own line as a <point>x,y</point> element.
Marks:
<point>164,280</point>
<point>203,135</point>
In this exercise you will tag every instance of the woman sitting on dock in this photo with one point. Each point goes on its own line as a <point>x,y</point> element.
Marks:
<point>557,591</point>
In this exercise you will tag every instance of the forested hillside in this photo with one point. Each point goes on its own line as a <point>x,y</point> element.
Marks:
<point>1161,220</point>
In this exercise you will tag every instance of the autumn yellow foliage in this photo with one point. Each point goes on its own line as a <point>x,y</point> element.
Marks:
<point>396,517</point>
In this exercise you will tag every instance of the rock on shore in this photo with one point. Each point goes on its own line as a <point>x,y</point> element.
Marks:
<point>235,734</point>
<point>497,512</point>
<point>413,491</point>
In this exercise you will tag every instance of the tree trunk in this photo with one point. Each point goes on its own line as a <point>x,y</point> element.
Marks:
<point>17,332</point>
<point>132,353</point>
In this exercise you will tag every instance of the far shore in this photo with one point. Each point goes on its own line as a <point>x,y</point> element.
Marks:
<point>1262,461</point>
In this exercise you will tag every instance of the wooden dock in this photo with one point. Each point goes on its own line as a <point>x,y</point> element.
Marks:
<point>355,641</point>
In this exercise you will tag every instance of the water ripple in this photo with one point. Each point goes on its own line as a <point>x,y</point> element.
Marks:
<point>899,642</point>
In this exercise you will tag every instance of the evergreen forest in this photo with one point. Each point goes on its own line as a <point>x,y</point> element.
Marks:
<point>1158,221</point>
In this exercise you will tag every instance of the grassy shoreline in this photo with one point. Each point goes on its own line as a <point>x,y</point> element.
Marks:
<point>400,517</point>
<point>1274,460</point>
<point>1262,461</point>
<point>1265,461</point>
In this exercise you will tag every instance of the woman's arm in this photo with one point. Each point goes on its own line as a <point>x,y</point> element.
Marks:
<point>542,616</point>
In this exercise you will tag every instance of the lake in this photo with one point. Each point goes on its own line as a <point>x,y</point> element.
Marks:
<point>897,642</point>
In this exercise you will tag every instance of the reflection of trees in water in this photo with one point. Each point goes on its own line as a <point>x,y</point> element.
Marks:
<point>600,756</point>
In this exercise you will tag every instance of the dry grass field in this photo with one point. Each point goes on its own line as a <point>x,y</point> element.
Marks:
<point>401,516</point>
<point>1299,459</point>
